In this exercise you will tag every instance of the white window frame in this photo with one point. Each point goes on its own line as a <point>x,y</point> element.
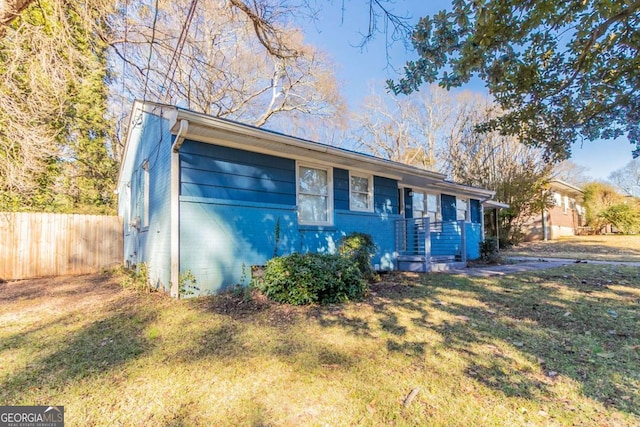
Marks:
<point>557,199</point>
<point>436,213</point>
<point>425,205</point>
<point>369,193</point>
<point>466,208</point>
<point>565,204</point>
<point>145,195</point>
<point>329,171</point>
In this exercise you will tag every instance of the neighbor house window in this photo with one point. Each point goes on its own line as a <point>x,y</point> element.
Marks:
<point>360,192</point>
<point>557,199</point>
<point>565,204</point>
<point>145,194</point>
<point>461,209</point>
<point>315,197</point>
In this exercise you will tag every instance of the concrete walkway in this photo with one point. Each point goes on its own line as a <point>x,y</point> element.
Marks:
<point>529,264</point>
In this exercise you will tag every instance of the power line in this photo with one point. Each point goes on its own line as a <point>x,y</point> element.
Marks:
<point>153,39</point>
<point>177,52</point>
<point>124,56</point>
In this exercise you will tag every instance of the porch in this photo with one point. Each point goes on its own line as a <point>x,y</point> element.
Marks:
<point>424,246</point>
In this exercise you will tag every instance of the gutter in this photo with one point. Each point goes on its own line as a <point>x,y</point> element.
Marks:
<point>175,208</point>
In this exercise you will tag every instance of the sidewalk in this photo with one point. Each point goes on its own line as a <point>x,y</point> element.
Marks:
<point>529,264</point>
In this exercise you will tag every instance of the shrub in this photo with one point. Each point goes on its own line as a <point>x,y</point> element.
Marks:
<point>311,278</point>
<point>137,279</point>
<point>187,286</point>
<point>489,251</point>
<point>359,248</point>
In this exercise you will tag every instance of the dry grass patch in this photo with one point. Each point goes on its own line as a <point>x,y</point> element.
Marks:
<point>556,347</point>
<point>598,248</point>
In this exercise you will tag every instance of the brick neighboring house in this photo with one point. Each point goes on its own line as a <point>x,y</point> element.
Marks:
<point>564,218</point>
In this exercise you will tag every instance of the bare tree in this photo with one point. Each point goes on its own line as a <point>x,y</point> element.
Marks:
<point>437,129</point>
<point>627,178</point>
<point>517,173</point>
<point>405,130</point>
<point>571,172</point>
<point>9,10</point>
<point>206,57</point>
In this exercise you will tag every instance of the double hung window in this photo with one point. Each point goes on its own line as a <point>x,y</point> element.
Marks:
<point>315,195</point>
<point>360,192</point>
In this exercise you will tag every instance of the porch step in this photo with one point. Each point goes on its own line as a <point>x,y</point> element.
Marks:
<point>419,264</point>
<point>415,263</point>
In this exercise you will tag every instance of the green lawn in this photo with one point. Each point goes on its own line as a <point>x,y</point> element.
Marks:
<point>553,347</point>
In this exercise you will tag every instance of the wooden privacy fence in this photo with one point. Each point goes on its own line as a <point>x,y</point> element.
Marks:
<point>44,244</point>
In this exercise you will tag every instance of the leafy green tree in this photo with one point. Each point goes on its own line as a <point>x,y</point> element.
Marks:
<point>516,172</point>
<point>625,217</point>
<point>598,198</point>
<point>560,71</point>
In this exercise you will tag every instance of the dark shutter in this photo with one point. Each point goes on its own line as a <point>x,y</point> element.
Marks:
<point>475,211</point>
<point>448,207</point>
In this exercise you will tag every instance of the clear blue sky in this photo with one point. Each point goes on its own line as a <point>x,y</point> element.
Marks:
<point>338,30</point>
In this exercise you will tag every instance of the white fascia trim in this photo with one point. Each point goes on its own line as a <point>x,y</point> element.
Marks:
<point>256,133</point>
<point>464,190</point>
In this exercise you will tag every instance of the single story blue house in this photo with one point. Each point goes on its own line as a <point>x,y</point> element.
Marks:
<point>213,197</point>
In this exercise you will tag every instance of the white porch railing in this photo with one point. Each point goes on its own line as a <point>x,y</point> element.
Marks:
<point>421,243</point>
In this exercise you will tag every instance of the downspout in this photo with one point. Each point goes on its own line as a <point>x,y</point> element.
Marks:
<point>175,208</point>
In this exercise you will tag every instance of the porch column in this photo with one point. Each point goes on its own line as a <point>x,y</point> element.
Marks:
<point>463,240</point>
<point>427,244</point>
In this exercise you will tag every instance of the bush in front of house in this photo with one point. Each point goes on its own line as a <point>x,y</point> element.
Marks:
<point>310,278</point>
<point>489,251</point>
<point>359,248</point>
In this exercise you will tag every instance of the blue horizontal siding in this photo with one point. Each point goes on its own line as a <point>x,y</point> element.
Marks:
<point>151,245</point>
<point>212,171</point>
<point>199,177</point>
<point>221,240</point>
<point>247,195</point>
<point>235,169</point>
<point>204,152</point>
<point>473,234</point>
<point>447,242</point>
